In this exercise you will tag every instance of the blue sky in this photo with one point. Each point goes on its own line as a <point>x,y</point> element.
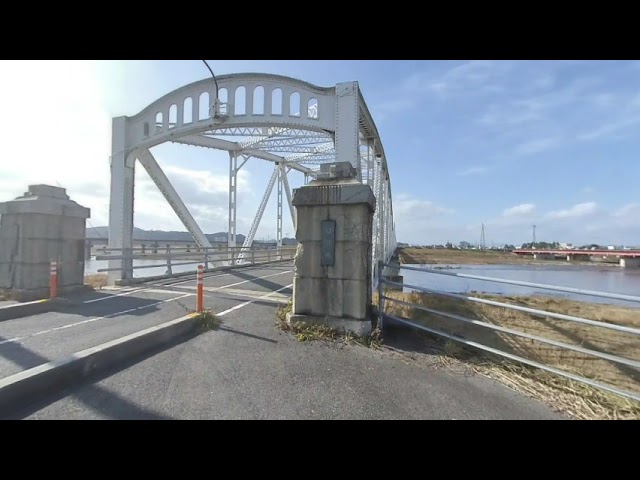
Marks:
<point>507,143</point>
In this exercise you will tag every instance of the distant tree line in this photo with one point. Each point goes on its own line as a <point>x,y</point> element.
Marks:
<point>542,245</point>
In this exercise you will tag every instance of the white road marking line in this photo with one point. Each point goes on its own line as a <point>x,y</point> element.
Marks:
<point>139,290</point>
<point>111,315</point>
<point>129,292</point>
<point>251,280</point>
<point>215,289</point>
<point>251,301</point>
<point>193,279</point>
<point>187,281</point>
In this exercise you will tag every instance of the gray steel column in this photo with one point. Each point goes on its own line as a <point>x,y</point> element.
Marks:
<point>121,201</point>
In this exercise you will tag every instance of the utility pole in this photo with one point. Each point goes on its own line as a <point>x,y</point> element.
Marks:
<point>534,237</point>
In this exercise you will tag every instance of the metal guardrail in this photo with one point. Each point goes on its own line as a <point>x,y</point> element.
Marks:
<point>459,318</point>
<point>201,255</point>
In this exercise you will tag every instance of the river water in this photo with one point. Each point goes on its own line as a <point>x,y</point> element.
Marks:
<point>599,278</point>
<point>92,266</point>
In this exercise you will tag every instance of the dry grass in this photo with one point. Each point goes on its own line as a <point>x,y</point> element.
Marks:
<point>307,333</point>
<point>412,255</point>
<point>97,280</point>
<point>207,320</point>
<point>8,295</point>
<point>575,398</point>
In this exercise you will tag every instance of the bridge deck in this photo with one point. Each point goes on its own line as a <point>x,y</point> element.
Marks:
<point>248,369</point>
<point>104,315</point>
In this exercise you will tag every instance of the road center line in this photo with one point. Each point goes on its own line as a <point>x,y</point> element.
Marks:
<point>111,315</point>
<point>215,289</point>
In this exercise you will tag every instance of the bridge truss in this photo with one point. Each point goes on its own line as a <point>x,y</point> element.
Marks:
<point>295,125</point>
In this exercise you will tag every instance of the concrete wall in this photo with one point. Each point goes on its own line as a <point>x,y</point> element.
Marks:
<point>41,226</point>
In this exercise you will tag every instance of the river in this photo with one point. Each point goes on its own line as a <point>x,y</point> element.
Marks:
<point>92,266</point>
<point>603,279</point>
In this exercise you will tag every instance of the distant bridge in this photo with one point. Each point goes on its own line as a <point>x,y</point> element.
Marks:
<point>626,258</point>
<point>617,253</point>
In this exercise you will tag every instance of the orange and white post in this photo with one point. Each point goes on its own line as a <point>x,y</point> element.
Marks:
<point>200,289</point>
<point>53,279</point>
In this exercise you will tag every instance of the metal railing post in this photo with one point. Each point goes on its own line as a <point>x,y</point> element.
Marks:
<point>380,299</point>
<point>169,270</point>
<point>253,256</point>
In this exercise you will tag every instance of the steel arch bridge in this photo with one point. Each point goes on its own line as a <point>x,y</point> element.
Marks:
<point>293,124</point>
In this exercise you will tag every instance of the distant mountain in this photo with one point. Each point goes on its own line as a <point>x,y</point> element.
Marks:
<point>151,235</point>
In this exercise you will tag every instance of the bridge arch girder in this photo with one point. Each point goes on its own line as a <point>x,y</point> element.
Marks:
<point>144,129</point>
<point>278,110</point>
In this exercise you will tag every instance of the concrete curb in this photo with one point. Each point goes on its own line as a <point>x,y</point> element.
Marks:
<point>26,309</point>
<point>21,389</point>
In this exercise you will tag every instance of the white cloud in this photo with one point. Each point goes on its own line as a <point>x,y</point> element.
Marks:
<point>57,131</point>
<point>205,194</point>
<point>577,211</point>
<point>609,128</point>
<point>522,209</point>
<point>472,171</point>
<point>416,219</point>
<point>54,130</point>
<point>472,77</point>
<point>629,210</point>
<point>537,146</point>
<point>604,99</point>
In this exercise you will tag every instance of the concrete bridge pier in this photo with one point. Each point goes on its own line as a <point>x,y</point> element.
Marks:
<point>332,281</point>
<point>41,226</point>
<point>629,262</point>
<point>393,273</point>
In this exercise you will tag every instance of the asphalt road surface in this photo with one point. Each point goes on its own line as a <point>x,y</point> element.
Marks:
<point>105,315</point>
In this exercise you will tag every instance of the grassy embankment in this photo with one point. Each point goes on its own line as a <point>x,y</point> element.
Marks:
<point>413,255</point>
<point>574,398</point>
<point>571,397</point>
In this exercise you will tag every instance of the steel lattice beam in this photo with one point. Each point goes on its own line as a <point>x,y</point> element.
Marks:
<point>164,185</point>
<point>248,241</point>
<point>287,191</point>
<point>217,143</point>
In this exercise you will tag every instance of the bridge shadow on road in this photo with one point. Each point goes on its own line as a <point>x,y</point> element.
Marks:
<point>86,389</point>
<point>262,282</point>
<point>108,304</point>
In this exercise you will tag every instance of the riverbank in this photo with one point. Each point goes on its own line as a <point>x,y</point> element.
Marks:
<point>570,397</point>
<point>415,255</point>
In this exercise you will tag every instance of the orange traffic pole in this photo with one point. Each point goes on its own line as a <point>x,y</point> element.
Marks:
<point>53,279</point>
<point>200,289</point>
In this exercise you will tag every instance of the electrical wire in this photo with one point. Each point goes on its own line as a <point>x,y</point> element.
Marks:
<point>214,77</point>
